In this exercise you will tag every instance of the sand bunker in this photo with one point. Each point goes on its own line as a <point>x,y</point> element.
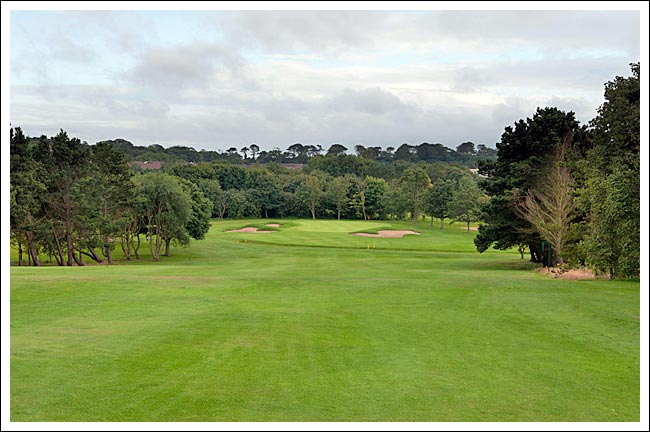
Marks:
<point>251,230</point>
<point>273,225</point>
<point>388,233</point>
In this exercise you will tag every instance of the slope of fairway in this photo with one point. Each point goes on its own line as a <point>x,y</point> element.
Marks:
<point>310,323</point>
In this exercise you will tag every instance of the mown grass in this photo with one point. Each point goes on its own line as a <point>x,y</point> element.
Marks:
<point>311,323</point>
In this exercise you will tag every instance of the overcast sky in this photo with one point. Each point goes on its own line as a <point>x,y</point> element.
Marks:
<point>217,79</point>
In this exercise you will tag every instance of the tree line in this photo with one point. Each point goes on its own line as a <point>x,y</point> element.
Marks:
<point>553,180</point>
<point>574,186</point>
<point>466,153</point>
<point>71,201</point>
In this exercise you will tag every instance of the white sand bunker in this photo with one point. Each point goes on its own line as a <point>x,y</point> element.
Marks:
<point>273,225</point>
<point>388,233</point>
<point>251,230</point>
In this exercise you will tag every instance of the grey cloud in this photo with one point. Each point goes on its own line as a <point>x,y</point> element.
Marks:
<point>467,79</point>
<point>549,29</point>
<point>325,32</point>
<point>334,32</point>
<point>190,65</point>
<point>374,101</point>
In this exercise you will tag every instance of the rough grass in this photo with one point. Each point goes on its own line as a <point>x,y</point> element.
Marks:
<point>310,325</point>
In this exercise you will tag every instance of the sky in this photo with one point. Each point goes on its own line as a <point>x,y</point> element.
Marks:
<point>219,79</point>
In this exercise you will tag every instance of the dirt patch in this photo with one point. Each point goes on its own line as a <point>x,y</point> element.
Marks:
<point>388,234</point>
<point>251,230</point>
<point>272,225</point>
<point>572,274</point>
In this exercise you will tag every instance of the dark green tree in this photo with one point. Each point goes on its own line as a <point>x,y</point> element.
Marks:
<point>523,155</point>
<point>465,204</point>
<point>611,194</point>
<point>166,210</point>
<point>27,195</point>
<point>438,198</point>
<point>112,179</point>
<point>415,182</point>
<point>336,150</point>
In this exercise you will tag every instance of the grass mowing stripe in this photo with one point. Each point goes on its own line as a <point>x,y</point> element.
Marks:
<point>228,331</point>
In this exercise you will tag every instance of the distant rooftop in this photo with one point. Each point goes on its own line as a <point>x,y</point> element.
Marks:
<point>145,165</point>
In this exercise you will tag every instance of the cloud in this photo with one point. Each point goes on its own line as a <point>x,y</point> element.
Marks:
<point>183,66</point>
<point>216,80</point>
<point>325,32</point>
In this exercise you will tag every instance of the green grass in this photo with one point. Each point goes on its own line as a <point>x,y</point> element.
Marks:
<point>311,323</point>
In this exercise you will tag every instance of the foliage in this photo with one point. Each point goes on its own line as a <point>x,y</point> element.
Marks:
<point>611,194</point>
<point>465,203</point>
<point>415,182</point>
<point>549,207</point>
<point>522,157</point>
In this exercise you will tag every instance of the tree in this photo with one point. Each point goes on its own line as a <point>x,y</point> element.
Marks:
<point>264,190</point>
<point>438,198</point>
<point>466,148</point>
<point>611,195</point>
<point>112,180</point>
<point>483,151</point>
<point>397,201</point>
<point>198,223</point>
<point>375,196</point>
<point>27,194</point>
<point>336,150</point>
<point>65,163</point>
<point>254,148</point>
<point>549,206</point>
<point>297,152</point>
<point>415,183</point>
<point>311,192</point>
<point>522,155</point>
<point>432,152</point>
<point>405,152</point>
<point>465,204</point>
<point>337,193</point>
<point>166,209</point>
<point>244,150</point>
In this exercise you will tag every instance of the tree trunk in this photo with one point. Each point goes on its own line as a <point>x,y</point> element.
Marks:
<point>167,241</point>
<point>107,251</point>
<point>20,254</point>
<point>68,239</point>
<point>152,249</point>
<point>467,226</point>
<point>59,252</point>
<point>312,208</point>
<point>93,255</point>
<point>338,213</point>
<point>78,261</point>
<point>136,248</point>
<point>29,237</point>
<point>159,244</point>
<point>126,249</point>
<point>442,223</point>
